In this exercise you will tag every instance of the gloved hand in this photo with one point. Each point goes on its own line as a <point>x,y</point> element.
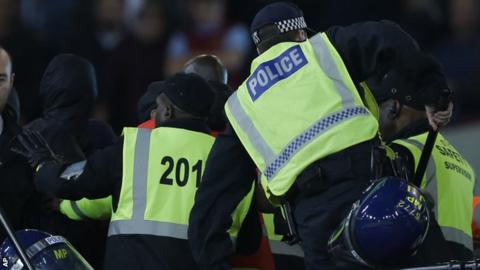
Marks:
<point>35,149</point>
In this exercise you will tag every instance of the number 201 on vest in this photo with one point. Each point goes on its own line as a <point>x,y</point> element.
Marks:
<point>182,169</point>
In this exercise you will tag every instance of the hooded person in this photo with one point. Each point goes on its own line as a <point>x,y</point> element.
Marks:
<point>68,90</point>
<point>152,234</point>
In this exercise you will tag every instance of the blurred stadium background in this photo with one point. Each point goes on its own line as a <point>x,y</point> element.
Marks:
<point>135,42</point>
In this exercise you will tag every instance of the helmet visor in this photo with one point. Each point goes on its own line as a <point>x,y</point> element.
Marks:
<point>53,253</point>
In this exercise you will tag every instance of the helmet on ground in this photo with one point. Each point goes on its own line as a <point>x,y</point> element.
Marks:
<point>385,226</point>
<point>45,251</point>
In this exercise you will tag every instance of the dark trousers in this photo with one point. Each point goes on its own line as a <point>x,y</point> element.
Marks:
<point>286,262</point>
<point>323,195</point>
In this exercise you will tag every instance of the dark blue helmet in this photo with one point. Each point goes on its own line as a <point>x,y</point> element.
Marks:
<point>46,252</point>
<point>384,227</point>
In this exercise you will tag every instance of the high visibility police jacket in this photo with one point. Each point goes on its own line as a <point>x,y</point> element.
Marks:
<point>298,105</point>
<point>449,182</point>
<point>362,48</point>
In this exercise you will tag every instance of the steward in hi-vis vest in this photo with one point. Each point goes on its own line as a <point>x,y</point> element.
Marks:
<point>152,176</point>
<point>300,119</point>
<point>403,96</point>
<point>449,182</point>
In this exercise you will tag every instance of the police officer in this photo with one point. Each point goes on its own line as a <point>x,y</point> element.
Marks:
<point>449,181</point>
<point>300,120</point>
<point>152,176</point>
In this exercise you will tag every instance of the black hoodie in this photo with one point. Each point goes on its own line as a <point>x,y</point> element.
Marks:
<point>67,90</point>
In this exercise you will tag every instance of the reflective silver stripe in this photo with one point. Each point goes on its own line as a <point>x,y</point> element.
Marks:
<point>282,248</point>
<point>314,131</point>
<point>77,210</point>
<point>247,126</point>
<point>276,162</point>
<point>137,225</point>
<point>457,236</point>
<point>140,174</point>
<point>35,248</point>
<point>149,227</point>
<point>328,64</point>
<point>234,241</point>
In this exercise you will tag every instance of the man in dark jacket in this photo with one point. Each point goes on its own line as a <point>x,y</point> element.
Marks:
<point>157,242</point>
<point>15,176</point>
<point>68,90</point>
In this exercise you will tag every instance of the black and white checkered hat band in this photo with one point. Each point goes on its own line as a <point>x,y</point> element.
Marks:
<point>255,37</point>
<point>291,24</point>
<point>284,26</point>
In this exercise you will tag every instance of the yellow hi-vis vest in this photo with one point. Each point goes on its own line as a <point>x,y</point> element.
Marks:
<point>85,209</point>
<point>298,105</point>
<point>239,214</point>
<point>449,180</point>
<point>277,246</point>
<point>162,169</point>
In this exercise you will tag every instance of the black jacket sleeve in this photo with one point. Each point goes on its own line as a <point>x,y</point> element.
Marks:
<point>227,180</point>
<point>372,47</point>
<point>100,177</point>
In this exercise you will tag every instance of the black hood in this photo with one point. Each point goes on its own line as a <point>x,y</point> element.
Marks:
<point>68,90</point>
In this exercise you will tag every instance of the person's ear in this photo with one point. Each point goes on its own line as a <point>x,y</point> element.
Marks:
<point>394,110</point>
<point>302,35</point>
<point>168,112</point>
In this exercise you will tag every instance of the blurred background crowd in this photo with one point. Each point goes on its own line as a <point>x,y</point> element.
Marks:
<point>135,42</point>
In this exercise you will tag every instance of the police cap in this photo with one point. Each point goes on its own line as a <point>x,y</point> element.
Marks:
<point>147,102</point>
<point>285,16</point>
<point>189,92</point>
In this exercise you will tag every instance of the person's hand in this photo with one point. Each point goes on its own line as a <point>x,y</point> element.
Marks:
<point>438,119</point>
<point>35,148</point>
